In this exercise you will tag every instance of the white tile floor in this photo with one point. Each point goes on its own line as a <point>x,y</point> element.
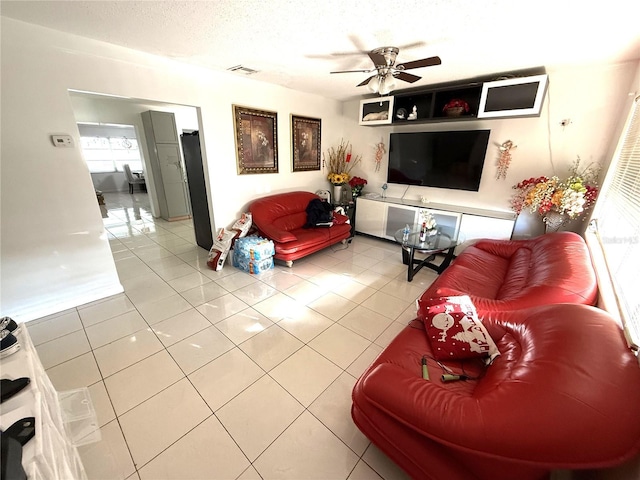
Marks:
<point>197,374</point>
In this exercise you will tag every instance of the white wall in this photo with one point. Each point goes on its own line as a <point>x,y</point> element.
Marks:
<point>593,97</point>
<point>54,251</point>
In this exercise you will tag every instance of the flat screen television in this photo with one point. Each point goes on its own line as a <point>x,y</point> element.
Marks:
<point>452,159</point>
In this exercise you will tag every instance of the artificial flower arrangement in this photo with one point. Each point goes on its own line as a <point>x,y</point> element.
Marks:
<point>428,220</point>
<point>340,163</point>
<point>357,184</point>
<point>456,106</point>
<point>570,197</point>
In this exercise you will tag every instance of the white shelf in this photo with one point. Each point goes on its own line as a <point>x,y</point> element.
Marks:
<point>50,453</point>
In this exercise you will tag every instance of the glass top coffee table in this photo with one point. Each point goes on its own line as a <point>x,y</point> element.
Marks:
<point>439,241</point>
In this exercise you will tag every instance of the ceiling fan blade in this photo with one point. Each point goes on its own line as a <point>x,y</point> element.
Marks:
<point>354,71</point>
<point>407,77</point>
<point>377,58</point>
<point>362,84</point>
<point>407,46</point>
<point>425,62</point>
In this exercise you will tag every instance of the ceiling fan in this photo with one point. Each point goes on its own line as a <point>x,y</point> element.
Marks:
<point>384,61</point>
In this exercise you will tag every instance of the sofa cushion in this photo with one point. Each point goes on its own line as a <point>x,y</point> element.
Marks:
<point>305,238</point>
<point>266,210</point>
<point>560,396</point>
<point>277,234</point>
<point>454,330</point>
<point>502,275</point>
<point>290,222</point>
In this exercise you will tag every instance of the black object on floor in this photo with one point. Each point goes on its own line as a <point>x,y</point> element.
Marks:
<point>8,343</point>
<point>8,323</point>
<point>8,388</point>
<point>11,459</point>
<point>22,430</point>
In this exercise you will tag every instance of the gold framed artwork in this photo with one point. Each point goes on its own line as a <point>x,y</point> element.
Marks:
<point>305,143</point>
<point>256,140</point>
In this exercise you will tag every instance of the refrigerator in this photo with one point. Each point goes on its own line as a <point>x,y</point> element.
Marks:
<point>197,189</point>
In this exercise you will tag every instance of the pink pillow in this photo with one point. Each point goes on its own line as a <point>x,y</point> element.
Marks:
<point>454,330</point>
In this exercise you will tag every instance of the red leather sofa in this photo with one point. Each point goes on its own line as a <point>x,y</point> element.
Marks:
<point>563,394</point>
<point>281,218</point>
<point>502,275</point>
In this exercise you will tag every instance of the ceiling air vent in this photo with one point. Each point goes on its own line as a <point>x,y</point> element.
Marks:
<point>241,69</point>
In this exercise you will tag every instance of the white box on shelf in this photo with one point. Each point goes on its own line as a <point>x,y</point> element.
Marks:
<point>376,111</point>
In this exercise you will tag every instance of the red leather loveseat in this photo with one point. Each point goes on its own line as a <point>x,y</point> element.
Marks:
<point>281,218</point>
<point>563,394</point>
<point>502,275</point>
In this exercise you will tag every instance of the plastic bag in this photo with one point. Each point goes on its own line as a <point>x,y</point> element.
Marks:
<point>220,249</point>
<point>242,225</point>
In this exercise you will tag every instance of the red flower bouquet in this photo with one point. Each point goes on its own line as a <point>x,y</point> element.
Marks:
<point>456,107</point>
<point>357,184</point>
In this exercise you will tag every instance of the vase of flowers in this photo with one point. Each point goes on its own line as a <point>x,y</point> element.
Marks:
<point>456,108</point>
<point>357,184</point>
<point>340,163</point>
<point>429,222</point>
<point>558,201</point>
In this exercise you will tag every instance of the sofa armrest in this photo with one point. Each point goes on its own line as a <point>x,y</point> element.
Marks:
<point>544,400</point>
<point>423,405</point>
<point>277,234</point>
<point>514,420</point>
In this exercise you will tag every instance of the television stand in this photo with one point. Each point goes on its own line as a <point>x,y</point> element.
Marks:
<point>383,217</point>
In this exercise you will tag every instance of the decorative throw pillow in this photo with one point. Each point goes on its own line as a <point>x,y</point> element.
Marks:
<point>454,330</point>
<point>339,219</point>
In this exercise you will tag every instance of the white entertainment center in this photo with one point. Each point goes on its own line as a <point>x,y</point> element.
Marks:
<point>382,217</point>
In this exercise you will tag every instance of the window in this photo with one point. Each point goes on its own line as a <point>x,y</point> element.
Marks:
<point>617,220</point>
<point>107,147</point>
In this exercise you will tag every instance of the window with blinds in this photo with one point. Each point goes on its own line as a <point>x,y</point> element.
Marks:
<point>617,220</point>
<point>107,147</point>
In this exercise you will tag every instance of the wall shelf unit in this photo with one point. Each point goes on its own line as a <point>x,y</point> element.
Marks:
<point>430,104</point>
<point>521,94</point>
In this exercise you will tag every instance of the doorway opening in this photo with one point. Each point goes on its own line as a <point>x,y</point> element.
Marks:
<point>97,110</point>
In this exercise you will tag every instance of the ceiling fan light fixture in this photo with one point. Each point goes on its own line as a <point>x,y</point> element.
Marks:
<point>387,84</point>
<point>390,82</point>
<point>374,84</point>
<point>384,89</point>
<point>388,73</point>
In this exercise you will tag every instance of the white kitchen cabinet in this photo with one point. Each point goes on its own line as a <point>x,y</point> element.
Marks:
<point>166,164</point>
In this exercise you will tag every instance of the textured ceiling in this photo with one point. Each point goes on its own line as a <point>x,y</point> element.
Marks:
<point>297,43</point>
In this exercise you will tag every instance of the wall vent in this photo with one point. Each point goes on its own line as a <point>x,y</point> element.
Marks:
<point>241,69</point>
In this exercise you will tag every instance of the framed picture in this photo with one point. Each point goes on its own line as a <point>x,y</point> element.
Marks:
<point>376,111</point>
<point>305,143</point>
<point>256,140</point>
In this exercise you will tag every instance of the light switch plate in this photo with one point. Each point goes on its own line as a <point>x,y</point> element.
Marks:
<point>62,141</point>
